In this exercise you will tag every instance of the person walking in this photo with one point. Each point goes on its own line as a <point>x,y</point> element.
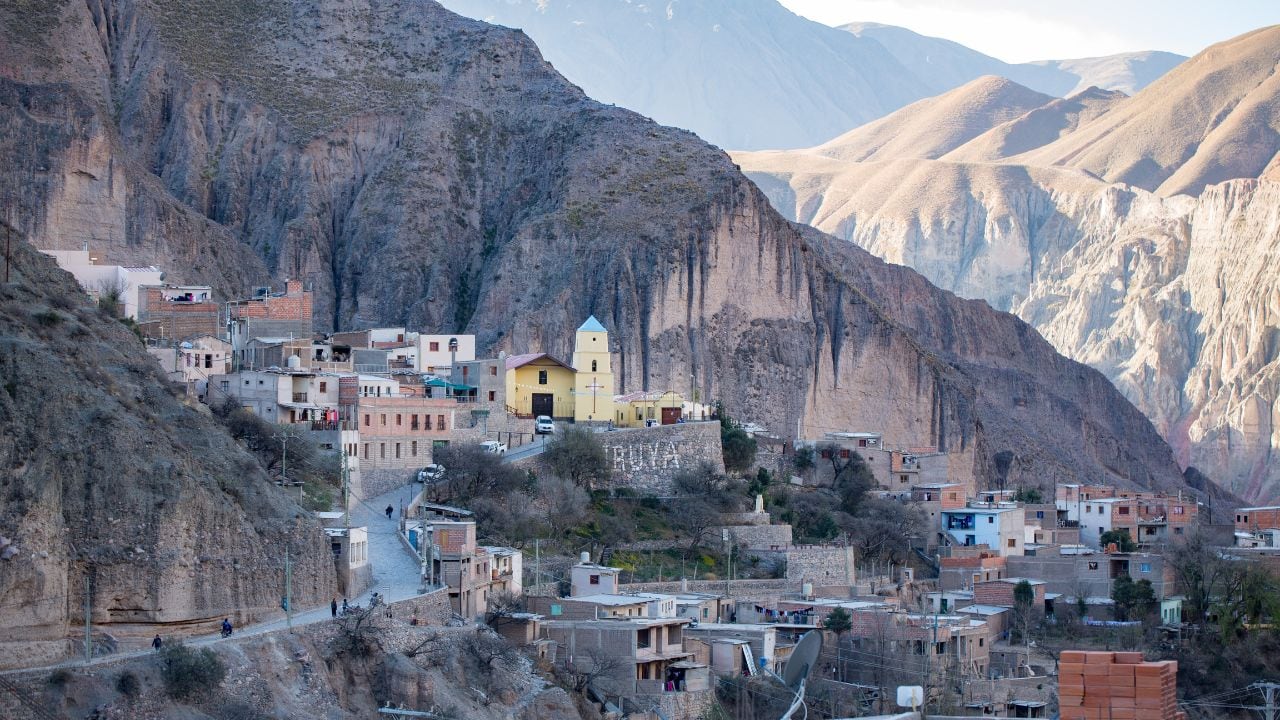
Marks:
<point>333,607</point>
<point>156,643</point>
<point>389,511</point>
<point>345,607</point>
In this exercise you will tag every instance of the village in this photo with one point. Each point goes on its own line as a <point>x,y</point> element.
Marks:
<point>986,599</point>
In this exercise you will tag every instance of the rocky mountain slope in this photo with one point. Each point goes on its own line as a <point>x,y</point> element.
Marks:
<point>116,492</point>
<point>1133,282</point>
<point>949,64</point>
<point>434,171</point>
<point>750,74</point>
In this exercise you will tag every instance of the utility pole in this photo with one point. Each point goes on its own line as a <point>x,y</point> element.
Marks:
<point>88,619</point>
<point>8,240</point>
<point>288,589</point>
<point>1268,690</point>
<point>346,484</point>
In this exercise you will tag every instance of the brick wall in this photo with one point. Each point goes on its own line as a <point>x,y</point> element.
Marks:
<point>1001,593</point>
<point>648,459</point>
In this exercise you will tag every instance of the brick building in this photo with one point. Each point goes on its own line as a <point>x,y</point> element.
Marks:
<point>178,312</point>
<point>399,433</point>
<point>1000,592</point>
<point>274,315</point>
<point>1255,519</point>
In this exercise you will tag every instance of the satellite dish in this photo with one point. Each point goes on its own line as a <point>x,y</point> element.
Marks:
<point>802,660</point>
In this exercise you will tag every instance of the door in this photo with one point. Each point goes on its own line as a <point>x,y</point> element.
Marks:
<point>670,416</point>
<point>543,404</point>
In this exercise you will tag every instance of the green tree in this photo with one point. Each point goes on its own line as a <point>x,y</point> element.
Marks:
<point>737,447</point>
<point>760,483</point>
<point>803,459</point>
<point>578,455</point>
<point>1120,538</point>
<point>852,482</point>
<point>1030,496</point>
<point>839,622</point>
<point>1024,598</point>
<point>1133,600</point>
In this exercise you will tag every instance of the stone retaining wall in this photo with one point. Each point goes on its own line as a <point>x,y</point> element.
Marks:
<point>648,459</point>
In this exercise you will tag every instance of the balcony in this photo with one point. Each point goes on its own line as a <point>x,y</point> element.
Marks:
<point>300,397</point>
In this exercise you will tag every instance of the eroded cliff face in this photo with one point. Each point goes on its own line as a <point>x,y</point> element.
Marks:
<point>116,493</point>
<point>1173,299</point>
<point>432,171</point>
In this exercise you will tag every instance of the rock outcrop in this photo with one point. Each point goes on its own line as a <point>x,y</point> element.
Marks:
<point>433,171</point>
<point>117,494</point>
<point>1171,296</point>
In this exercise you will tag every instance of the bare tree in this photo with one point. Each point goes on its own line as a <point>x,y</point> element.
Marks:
<point>110,292</point>
<point>503,605</point>
<point>589,666</point>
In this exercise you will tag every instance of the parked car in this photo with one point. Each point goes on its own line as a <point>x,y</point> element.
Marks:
<point>544,425</point>
<point>495,447</point>
<point>431,473</point>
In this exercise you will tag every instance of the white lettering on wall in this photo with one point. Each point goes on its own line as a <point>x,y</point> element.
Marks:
<point>659,455</point>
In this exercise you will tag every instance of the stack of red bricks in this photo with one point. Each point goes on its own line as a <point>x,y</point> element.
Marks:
<point>1116,686</point>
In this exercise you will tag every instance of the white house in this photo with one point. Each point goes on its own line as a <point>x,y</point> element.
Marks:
<point>436,353</point>
<point>95,276</point>
<point>999,528</point>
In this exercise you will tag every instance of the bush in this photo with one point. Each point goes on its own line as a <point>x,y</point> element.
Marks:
<point>59,677</point>
<point>127,684</point>
<point>48,318</point>
<point>188,672</point>
<point>577,455</point>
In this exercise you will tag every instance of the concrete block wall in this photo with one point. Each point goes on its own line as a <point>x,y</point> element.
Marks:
<point>821,564</point>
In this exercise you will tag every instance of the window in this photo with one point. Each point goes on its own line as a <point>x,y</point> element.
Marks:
<point>398,423</point>
<point>464,371</point>
<point>1179,510</point>
<point>991,519</point>
<point>902,478</point>
<point>440,422</point>
<point>1144,567</point>
<point>593,366</point>
<point>1093,566</point>
<point>1013,543</point>
<point>208,361</point>
<point>1177,531</point>
<point>427,420</point>
<point>1039,514</point>
<point>1124,509</point>
<point>981,641</point>
<point>382,450</point>
<point>493,370</point>
<point>844,453</point>
<point>862,443</point>
<point>397,451</point>
<point>226,385</point>
<point>384,419</point>
<point>324,386</point>
<point>434,347</point>
<point>366,419</point>
<point>413,448</point>
<point>366,451</point>
<point>413,422</point>
<point>542,377</point>
<point>493,395</point>
<point>594,580</point>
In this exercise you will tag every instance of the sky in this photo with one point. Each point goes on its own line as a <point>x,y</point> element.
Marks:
<point>1024,30</point>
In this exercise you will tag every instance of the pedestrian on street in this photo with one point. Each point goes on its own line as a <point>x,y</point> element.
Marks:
<point>389,511</point>
<point>156,643</point>
<point>333,607</point>
<point>345,607</point>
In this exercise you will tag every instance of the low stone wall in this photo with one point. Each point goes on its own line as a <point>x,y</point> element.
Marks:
<point>379,482</point>
<point>749,589</point>
<point>825,565</point>
<point>432,609</point>
<point>646,460</point>
<point>762,537</point>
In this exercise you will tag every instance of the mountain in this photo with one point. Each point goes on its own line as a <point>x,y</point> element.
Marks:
<point>749,74</point>
<point>935,126</point>
<point>432,171</point>
<point>112,483</point>
<point>949,64</point>
<point>1132,279</point>
<point>1038,127</point>
<point>739,73</point>
<point>1215,118</point>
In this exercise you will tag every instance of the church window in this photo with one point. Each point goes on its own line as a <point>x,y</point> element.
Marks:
<point>542,377</point>
<point>593,366</point>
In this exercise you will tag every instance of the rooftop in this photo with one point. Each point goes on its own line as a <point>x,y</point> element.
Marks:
<point>592,325</point>
<point>516,361</point>
<point>983,609</point>
<point>610,600</point>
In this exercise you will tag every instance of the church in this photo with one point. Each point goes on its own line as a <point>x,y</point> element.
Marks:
<point>540,384</point>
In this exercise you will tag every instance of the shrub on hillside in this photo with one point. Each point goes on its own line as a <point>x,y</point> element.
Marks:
<point>188,672</point>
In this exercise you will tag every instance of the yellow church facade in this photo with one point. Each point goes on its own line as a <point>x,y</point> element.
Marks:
<point>539,384</point>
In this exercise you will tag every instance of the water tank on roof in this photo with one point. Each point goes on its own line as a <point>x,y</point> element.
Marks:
<point>586,557</point>
<point>294,362</point>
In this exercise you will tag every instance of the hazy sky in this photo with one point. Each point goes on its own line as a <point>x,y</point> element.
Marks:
<point>1022,30</point>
